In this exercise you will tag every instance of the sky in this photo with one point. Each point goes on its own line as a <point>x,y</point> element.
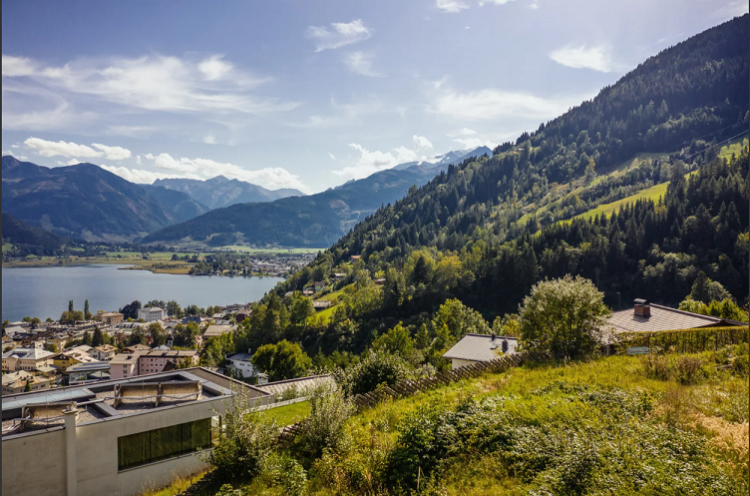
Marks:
<point>310,94</point>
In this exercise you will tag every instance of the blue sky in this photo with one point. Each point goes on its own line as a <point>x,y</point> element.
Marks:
<point>310,94</point>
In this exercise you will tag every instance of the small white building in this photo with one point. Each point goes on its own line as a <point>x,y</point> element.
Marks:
<point>152,314</point>
<point>475,348</point>
<point>241,363</point>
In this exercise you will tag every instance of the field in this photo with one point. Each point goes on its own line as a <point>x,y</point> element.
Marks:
<point>653,193</point>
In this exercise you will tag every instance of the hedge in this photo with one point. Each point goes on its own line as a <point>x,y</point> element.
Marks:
<point>686,340</point>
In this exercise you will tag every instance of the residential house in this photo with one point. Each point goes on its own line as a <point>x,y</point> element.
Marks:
<point>15,382</point>
<point>322,304</point>
<point>301,385</point>
<point>104,352</point>
<point>380,281</point>
<point>242,365</point>
<point>309,291</point>
<point>218,330</point>
<point>473,348</point>
<point>110,318</point>
<point>649,317</point>
<point>27,359</point>
<point>319,285</point>
<point>242,315</point>
<point>8,343</point>
<point>149,362</point>
<point>152,314</point>
<point>136,348</point>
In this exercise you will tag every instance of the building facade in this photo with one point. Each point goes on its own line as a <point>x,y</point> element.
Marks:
<point>152,314</point>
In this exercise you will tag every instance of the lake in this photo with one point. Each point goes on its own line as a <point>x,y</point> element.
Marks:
<point>45,291</point>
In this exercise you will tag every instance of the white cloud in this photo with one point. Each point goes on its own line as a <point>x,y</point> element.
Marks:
<point>421,142</point>
<point>108,88</point>
<point>451,6</point>
<point>201,168</point>
<point>340,34</point>
<point>333,157</point>
<point>370,162</point>
<point>597,58</point>
<point>462,132</point>
<point>72,161</point>
<point>472,143</point>
<point>210,139</point>
<point>64,149</point>
<point>361,63</point>
<point>491,104</point>
<point>138,176</point>
<point>60,148</point>
<point>495,2</point>
<point>138,160</point>
<point>17,66</point>
<point>10,153</point>
<point>533,5</point>
<point>149,156</point>
<point>215,68</point>
<point>113,152</point>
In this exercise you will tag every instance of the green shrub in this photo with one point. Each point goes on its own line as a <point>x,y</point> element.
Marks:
<point>325,426</point>
<point>375,368</point>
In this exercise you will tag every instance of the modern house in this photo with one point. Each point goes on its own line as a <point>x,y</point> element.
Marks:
<point>322,304</point>
<point>474,348</point>
<point>110,318</point>
<point>135,348</point>
<point>118,437</point>
<point>27,359</point>
<point>152,314</point>
<point>649,317</point>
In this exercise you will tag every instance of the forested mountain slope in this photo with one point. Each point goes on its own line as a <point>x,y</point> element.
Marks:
<point>460,235</point>
<point>20,239</point>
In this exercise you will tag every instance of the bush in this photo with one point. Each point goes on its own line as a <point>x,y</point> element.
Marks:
<point>375,368</point>
<point>325,426</point>
<point>247,442</point>
<point>565,317</point>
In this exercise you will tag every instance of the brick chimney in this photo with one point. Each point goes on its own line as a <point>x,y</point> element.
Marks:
<point>641,308</point>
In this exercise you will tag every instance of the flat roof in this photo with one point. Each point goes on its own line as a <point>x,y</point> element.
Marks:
<point>96,400</point>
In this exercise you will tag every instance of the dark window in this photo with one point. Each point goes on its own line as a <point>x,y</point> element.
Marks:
<point>160,444</point>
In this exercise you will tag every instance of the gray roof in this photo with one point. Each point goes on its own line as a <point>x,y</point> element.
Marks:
<point>28,353</point>
<point>218,330</point>
<point>240,357</point>
<point>481,347</point>
<point>302,384</point>
<point>664,319</point>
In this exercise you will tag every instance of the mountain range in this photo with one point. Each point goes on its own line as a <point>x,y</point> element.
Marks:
<point>219,192</point>
<point>306,221</point>
<point>85,201</point>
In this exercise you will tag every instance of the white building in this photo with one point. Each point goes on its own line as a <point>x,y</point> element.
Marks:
<point>241,363</point>
<point>27,359</point>
<point>152,314</point>
<point>475,348</point>
<point>108,437</point>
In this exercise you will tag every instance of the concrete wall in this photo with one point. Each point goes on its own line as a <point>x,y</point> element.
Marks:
<point>38,467</point>
<point>34,464</point>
